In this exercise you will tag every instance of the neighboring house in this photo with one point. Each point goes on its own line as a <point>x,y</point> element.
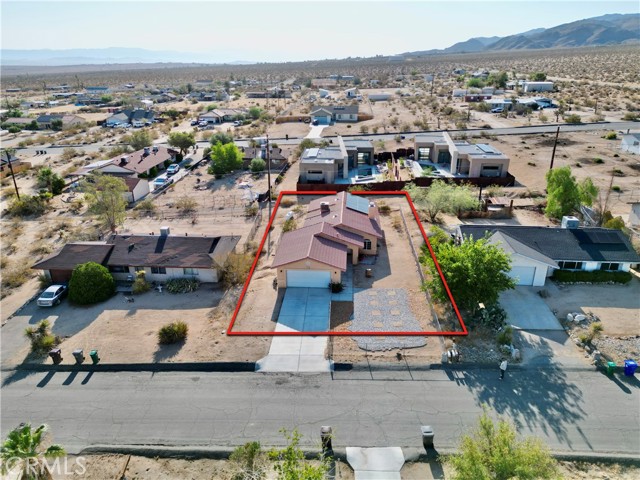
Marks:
<point>351,92</point>
<point>140,162</point>
<point>538,86</point>
<point>631,143</point>
<point>210,96</point>
<point>221,115</point>
<point>19,121</point>
<point>537,251</point>
<point>16,164</point>
<point>130,116</point>
<point>477,97</point>
<point>275,154</point>
<point>460,157</point>
<point>336,227</point>
<point>162,257</point>
<point>45,121</point>
<point>325,165</point>
<point>379,97</point>
<point>326,115</point>
<point>323,92</point>
<point>137,188</point>
<point>274,92</point>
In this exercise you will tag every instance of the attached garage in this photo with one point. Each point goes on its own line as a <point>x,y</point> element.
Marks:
<point>308,278</point>
<point>523,275</point>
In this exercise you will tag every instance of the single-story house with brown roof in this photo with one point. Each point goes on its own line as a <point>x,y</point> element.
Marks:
<point>162,257</point>
<point>336,227</point>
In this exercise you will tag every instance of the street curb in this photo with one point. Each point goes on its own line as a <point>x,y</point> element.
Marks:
<point>142,367</point>
<point>391,367</point>
<point>411,454</point>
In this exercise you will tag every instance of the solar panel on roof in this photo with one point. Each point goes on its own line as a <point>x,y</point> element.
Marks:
<point>358,204</point>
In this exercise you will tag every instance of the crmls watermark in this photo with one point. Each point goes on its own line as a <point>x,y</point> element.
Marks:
<point>38,467</point>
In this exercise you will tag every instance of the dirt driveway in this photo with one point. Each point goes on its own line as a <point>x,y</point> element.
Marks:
<point>126,332</point>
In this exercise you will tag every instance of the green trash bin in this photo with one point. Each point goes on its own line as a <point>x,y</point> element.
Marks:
<point>611,368</point>
<point>94,356</point>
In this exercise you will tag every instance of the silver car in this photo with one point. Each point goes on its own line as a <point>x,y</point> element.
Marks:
<point>52,296</point>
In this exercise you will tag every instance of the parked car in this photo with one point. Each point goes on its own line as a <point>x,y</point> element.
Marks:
<point>52,296</point>
<point>194,123</point>
<point>237,123</point>
<point>161,182</point>
<point>173,169</point>
<point>203,123</point>
<point>497,110</point>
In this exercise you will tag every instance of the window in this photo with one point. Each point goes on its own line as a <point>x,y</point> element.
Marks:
<point>159,270</point>
<point>139,269</point>
<point>314,172</point>
<point>190,271</point>
<point>570,265</point>
<point>367,244</point>
<point>610,266</point>
<point>118,269</point>
<point>424,153</point>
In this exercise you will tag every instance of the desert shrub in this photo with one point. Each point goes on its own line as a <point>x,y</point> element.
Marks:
<point>611,135</point>
<point>173,332</point>
<point>182,285</point>
<point>630,117</point>
<point>492,316</point>
<point>505,337</point>
<point>384,209</point>
<point>140,284</point>
<point>15,276</point>
<point>251,210</point>
<point>236,269</point>
<point>596,276</point>
<point>616,188</point>
<point>257,165</point>
<point>146,206</point>
<point>336,287</point>
<point>91,283</point>
<point>573,118</point>
<point>68,153</point>
<point>289,225</point>
<point>186,205</point>
<point>287,202</point>
<point>248,462</point>
<point>27,206</point>
<point>41,338</point>
<point>75,206</point>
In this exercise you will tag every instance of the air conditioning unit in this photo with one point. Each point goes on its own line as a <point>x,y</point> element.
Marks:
<point>570,222</point>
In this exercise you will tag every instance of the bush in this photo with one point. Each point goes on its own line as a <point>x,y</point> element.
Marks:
<point>492,316</point>
<point>384,209</point>
<point>153,172</point>
<point>257,165</point>
<point>573,118</point>
<point>173,332</point>
<point>505,337</point>
<point>182,285</point>
<point>236,269</point>
<point>146,206</point>
<point>289,225</point>
<point>186,205</point>
<point>597,276</point>
<point>140,284</point>
<point>90,283</point>
<point>611,136</point>
<point>27,206</point>
<point>251,210</point>
<point>336,287</point>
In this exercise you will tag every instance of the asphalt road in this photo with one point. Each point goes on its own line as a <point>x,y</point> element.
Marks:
<point>580,411</point>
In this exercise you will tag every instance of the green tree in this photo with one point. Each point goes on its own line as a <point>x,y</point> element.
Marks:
<point>254,112</point>
<point>565,195</point>
<point>182,140</point>
<point>476,272</point>
<point>172,113</point>
<point>498,80</point>
<point>91,283</point>
<point>290,463</point>
<point>139,139</point>
<point>304,144</point>
<point>106,98</point>
<point>56,125</point>
<point>538,77</point>
<point>221,137</point>
<point>105,196</point>
<point>257,165</point>
<point>53,182</point>
<point>493,452</point>
<point>23,449</point>
<point>225,159</point>
<point>475,83</point>
<point>443,197</point>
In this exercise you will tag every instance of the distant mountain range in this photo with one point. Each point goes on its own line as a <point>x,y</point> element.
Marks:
<point>99,56</point>
<point>612,29</point>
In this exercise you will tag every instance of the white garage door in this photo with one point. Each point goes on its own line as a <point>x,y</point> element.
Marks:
<point>308,278</point>
<point>523,275</point>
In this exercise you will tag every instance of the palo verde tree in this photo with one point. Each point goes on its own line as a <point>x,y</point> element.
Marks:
<point>182,140</point>
<point>476,272</point>
<point>23,451</point>
<point>105,196</point>
<point>443,197</point>
<point>492,451</point>
<point>224,159</point>
<point>565,194</point>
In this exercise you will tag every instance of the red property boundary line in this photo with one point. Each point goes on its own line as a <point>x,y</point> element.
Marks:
<point>230,331</point>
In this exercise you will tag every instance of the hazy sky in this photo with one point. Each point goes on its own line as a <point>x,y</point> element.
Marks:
<point>281,31</point>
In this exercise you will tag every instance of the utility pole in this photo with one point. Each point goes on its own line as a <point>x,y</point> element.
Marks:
<point>15,185</point>
<point>433,77</point>
<point>555,143</point>
<point>268,196</point>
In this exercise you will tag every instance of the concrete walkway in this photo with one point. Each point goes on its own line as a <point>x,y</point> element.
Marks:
<point>303,310</point>
<point>375,463</point>
<point>316,131</point>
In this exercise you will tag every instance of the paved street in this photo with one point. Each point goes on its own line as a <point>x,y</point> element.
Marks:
<point>577,411</point>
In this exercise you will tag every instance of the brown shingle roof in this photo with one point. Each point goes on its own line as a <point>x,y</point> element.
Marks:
<point>341,216</point>
<point>305,244</point>
<point>74,253</point>
<point>138,162</point>
<point>170,251</point>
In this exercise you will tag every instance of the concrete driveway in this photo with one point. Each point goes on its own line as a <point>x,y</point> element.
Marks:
<point>316,131</point>
<point>527,310</point>
<point>302,310</point>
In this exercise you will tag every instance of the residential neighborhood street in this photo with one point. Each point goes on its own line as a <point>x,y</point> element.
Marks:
<point>573,411</point>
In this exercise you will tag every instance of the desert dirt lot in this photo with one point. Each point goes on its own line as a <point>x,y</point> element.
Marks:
<point>124,332</point>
